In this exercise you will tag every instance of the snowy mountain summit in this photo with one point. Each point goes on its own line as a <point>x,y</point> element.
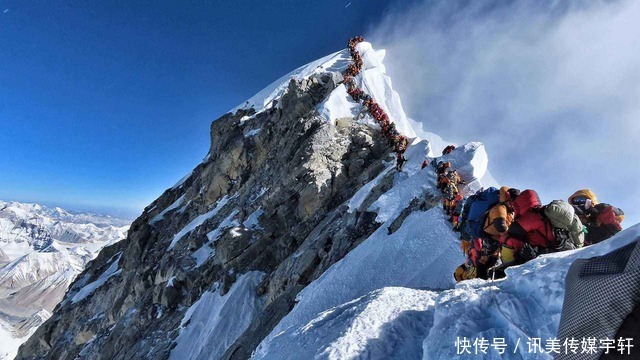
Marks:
<point>296,238</point>
<point>41,251</point>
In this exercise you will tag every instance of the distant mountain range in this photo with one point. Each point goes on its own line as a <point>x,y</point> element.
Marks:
<point>42,250</point>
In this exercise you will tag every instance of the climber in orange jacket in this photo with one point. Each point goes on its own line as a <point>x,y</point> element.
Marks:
<point>456,210</point>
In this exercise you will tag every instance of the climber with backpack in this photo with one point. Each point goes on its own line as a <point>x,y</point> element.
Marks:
<point>497,222</point>
<point>448,149</point>
<point>479,206</point>
<point>392,125</point>
<point>353,42</point>
<point>510,246</point>
<point>384,128</point>
<point>482,250</point>
<point>601,220</point>
<point>458,203</point>
<point>465,238</point>
<point>354,92</point>
<point>482,255</point>
<point>403,143</point>
<point>465,271</point>
<point>582,200</point>
<point>528,236</point>
<point>464,214</point>
<point>429,161</point>
<point>450,190</point>
<point>400,160</point>
<point>567,227</point>
<point>544,229</point>
<point>441,172</point>
<point>500,216</point>
<point>604,221</point>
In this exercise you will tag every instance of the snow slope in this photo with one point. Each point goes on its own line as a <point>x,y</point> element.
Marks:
<point>215,321</point>
<point>374,81</point>
<point>389,323</point>
<point>267,97</point>
<point>9,341</point>
<point>352,312</point>
<point>41,251</point>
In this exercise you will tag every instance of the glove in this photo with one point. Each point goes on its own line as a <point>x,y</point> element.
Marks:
<point>528,252</point>
<point>465,245</point>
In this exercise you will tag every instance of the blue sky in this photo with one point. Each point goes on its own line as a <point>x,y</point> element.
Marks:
<point>104,104</point>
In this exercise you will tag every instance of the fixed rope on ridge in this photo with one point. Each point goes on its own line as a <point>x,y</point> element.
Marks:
<point>396,140</point>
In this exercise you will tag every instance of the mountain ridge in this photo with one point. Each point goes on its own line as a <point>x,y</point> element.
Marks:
<point>296,221</point>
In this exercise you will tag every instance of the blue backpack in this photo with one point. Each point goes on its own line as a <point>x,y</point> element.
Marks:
<point>483,201</point>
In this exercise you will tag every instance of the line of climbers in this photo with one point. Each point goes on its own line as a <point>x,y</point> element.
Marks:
<point>396,140</point>
<point>505,227</point>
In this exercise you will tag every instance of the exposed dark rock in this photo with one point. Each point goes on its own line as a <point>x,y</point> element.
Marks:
<point>299,170</point>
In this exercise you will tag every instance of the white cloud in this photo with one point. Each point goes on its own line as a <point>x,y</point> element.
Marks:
<point>551,88</point>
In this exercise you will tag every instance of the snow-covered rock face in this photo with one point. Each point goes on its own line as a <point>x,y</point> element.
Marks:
<point>268,97</point>
<point>208,330</point>
<point>41,251</point>
<point>270,198</point>
<point>294,238</point>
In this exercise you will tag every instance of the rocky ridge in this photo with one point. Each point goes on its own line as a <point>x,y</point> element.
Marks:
<point>283,194</point>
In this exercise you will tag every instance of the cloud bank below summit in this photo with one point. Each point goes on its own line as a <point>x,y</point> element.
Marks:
<point>551,88</point>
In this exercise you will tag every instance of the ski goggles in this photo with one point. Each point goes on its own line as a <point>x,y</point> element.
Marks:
<point>579,200</point>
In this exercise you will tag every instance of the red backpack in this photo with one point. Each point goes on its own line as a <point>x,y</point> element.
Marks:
<point>608,217</point>
<point>526,201</point>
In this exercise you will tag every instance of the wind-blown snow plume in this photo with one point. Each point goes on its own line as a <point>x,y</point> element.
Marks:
<point>551,88</point>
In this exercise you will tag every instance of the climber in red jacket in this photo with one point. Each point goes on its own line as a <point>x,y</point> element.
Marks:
<point>525,204</point>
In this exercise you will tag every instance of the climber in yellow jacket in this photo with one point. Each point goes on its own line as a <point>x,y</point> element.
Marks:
<point>500,216</point>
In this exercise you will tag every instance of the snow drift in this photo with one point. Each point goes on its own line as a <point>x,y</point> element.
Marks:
<point>404,323</point>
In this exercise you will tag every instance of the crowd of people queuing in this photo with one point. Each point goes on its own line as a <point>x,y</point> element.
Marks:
<point>498,227</point>
<point>505,227</point>
<point>388,128</point>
